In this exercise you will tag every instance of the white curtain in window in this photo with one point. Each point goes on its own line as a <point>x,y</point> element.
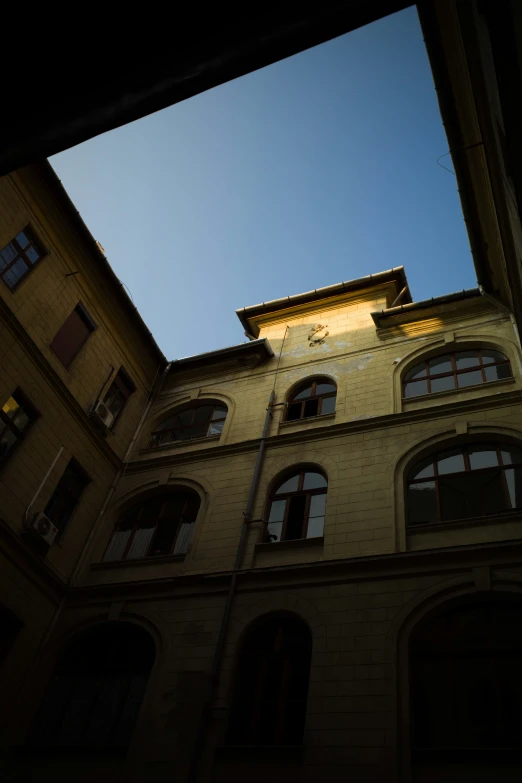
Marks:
<point>183,539</point>
<point>140,543</point>
<point>117,545</point>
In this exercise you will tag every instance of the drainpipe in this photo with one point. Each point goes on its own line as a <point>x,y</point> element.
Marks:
<point>218,651</point>
<point>119,475</point>
<point>199,742</point>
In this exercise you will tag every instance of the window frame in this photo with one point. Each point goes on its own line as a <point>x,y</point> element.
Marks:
<point>82,313</point>
<point>313,396</point>
<point>436,478</point>
<point>274,496</point>
<point>123,385</point>
<point>454,372</point>
<point>21,435</point>
<point>178,522</point>
<point>85,476</point>
<point>34,242</point>
<point>194,408</point>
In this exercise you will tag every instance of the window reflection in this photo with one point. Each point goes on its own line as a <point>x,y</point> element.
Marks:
<point>470,481</point>
<point>460,369</point>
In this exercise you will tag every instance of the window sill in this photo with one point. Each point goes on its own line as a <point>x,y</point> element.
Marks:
<point>308,420</point>
<point>450,392</point>
<point>176,444</point>
<point>429,527</point>
<point>139,561</point>
<point>296,543</point>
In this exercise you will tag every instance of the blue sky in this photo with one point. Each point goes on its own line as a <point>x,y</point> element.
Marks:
<point>317,169</point>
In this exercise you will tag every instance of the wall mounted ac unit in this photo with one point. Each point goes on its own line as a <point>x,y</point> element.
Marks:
<point>44,527</point>
<point>102,415</point>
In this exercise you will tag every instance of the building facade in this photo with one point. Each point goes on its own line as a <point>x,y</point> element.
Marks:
<point>299,556</point>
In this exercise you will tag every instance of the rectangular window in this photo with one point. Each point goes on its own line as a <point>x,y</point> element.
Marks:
<point>16,417</point>
<point>119,392</point>
<point>66,495</point>
<point>72,335</point>
<point>18,257</point>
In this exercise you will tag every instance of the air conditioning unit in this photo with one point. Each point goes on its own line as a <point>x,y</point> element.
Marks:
<point>44,527</point>
<point>102,415</point>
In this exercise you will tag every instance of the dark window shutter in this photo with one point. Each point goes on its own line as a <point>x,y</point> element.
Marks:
<point>72,335</point>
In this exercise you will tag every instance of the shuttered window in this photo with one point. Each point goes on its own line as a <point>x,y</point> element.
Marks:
<point>73,335</point>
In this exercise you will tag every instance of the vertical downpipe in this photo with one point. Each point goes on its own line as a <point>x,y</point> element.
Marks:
<point>199,743</point>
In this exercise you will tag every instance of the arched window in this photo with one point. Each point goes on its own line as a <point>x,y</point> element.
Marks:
<point>198,421</point>
<point>466,481</point>
<point>156,525</point>
<point>297,507</point>
<point>456,370</point>
<point>466,686</point>
<point>94,696</point>
<point>271,691</point>
<point>312,398</point>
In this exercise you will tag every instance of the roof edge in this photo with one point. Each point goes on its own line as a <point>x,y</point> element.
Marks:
<point>397,274</point>
<point>458,296</point>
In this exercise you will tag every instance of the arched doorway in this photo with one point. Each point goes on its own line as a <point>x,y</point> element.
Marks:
<point>466,691</point>
<point>94,696</point>
<point>271,684</point>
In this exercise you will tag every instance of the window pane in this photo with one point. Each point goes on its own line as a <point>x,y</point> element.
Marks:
<point>514,485</point>
<point>22,239</point>
<point>511,455</point>
<point>482,457</point>
<point>446,383</point>
<point>295,518</point>
<point>310,408</point>
<point>328,405</point>
<point>32,254</point>
<point>274,531</point>
<point>472,378</point>
<point>315,527</point>
<point>216,427</point>
<point>294,411</point>
<point>419,371</point>
<point>488,357</point>
<point>304,393</point>
<point>140,543</point>
<point>466,359</point>
<point>324,388</point>
<point>318,505</point>
<point>290,485</point>
<point>220,412</point>
<point>424,469</point>
<point>422,503</point>
<point>450,462</point>
<point>277,511</point>
<point>7,255</point>
<point>21,419</point>
<point>498,372</point>
<point>416,388</point>
<point>491,492</point>
<point>17,271</point>
<point>117,545</point>
<point>314,481</point>
<point>164,538</point>
<point>10,407</point>
<point>184,418</point>
<point>456,498</point>
<point>203,413</point>
<point>440,364</point>
<point>7,441</point>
